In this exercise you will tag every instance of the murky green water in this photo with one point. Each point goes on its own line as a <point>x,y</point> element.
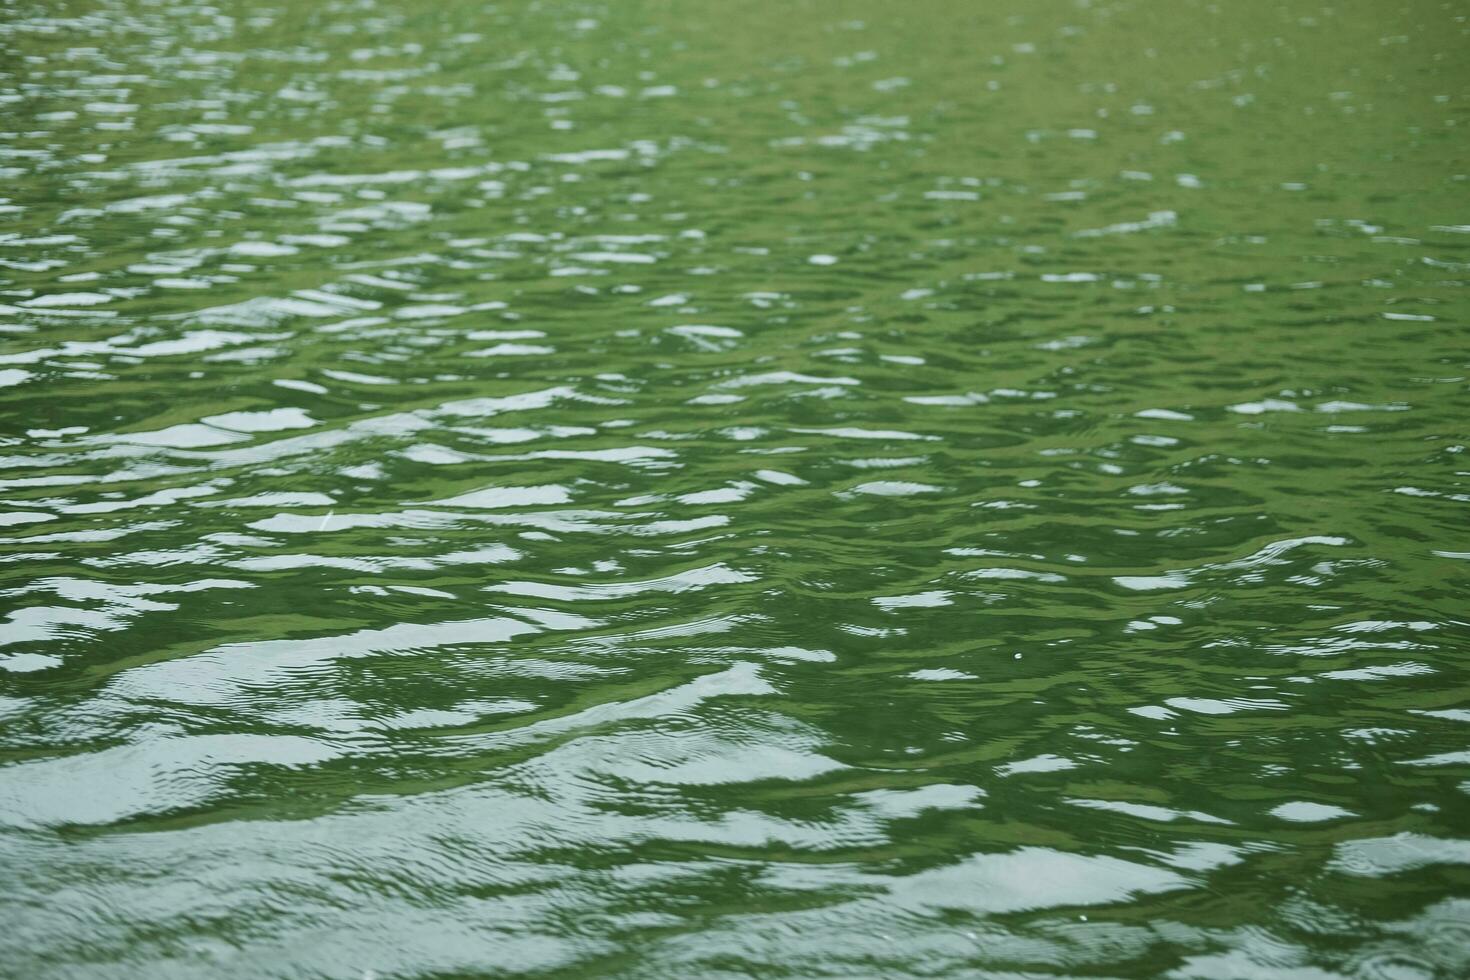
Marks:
<point>669,488</point>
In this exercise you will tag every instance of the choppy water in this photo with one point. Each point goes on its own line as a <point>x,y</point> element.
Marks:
<point>776,489</point>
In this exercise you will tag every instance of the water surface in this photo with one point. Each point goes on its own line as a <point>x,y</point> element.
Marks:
<point>680,489</point>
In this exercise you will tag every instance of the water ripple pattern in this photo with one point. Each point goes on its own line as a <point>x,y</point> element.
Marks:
<point>679,489</point>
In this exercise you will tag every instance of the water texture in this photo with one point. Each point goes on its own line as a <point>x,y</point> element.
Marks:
<point>665,488</point>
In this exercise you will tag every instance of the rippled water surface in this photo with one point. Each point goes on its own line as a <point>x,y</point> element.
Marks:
<point>678,489</point>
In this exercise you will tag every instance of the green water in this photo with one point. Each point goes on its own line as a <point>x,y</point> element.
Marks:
<point>665,488</point>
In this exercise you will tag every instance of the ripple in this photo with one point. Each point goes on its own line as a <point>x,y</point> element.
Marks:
<point>614,493</point>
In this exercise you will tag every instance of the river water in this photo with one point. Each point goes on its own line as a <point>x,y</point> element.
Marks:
<point>684,489</point>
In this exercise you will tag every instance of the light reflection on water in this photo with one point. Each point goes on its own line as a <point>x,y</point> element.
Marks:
<point>647,489</point>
